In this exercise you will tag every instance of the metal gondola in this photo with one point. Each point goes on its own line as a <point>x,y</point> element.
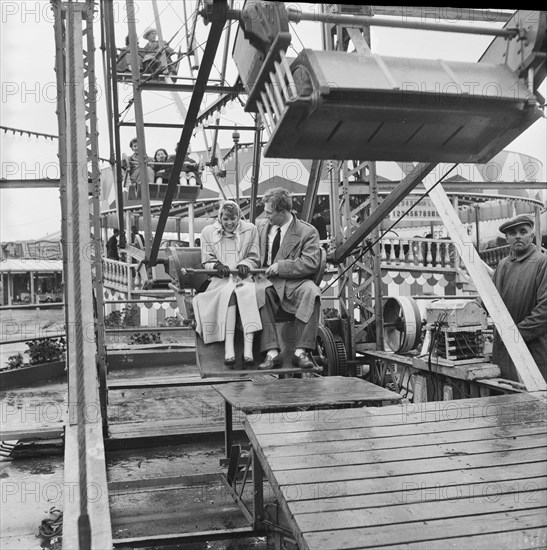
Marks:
<point>184,267</point>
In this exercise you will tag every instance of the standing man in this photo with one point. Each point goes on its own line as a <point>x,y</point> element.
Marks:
<point>137,239</point>
<point>112,246</point>
<point>289,248</point>
<point>521,280</point>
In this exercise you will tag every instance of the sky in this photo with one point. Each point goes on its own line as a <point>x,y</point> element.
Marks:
<point>28,99</point>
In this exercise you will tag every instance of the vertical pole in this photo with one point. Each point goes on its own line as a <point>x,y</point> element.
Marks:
<point>61,123</point>
<point>537,226</point>
<point>10,289</point>
<point>258,492</point>
<point>477,221</point>
<point>94,177</point>
<point>237,174</point>
<point>112,107</point>
<point>191,223</point>
<point>256,168</point>
<point>81,352</point>
<point>377,266</point>
<point>139,119</point>
<point>32,296</point>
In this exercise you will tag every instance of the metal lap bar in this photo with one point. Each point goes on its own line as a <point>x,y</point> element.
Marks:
<point>275,85</point>
<point>263,117</point>
<point>292,85</point>
<point>268,107</point>
<point>275,107</point>
<point>281,79</point>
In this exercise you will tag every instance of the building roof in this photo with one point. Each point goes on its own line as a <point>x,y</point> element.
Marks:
<point>12,265</point>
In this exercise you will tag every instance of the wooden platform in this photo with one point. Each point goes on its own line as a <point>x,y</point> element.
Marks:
<point>459,474</point>
<point>272,395</point>
<point>292,395</point>
<point>210,357</point>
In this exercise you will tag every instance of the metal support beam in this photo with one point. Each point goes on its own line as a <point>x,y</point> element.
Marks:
<point>112,106</point>
<point>217,18</point>
<point>377,266</point>
<point>360,20</point>
<point>388,204</point>
<point>139,118</point>
<point>442,13</point>
<point>86,523</point>
<point>256,169</point>
<point>94,177</point>
<point>311,190</point>
<point>208,89</point>
<point>180,126</point>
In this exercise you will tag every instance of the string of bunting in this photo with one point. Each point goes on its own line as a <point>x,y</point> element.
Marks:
<point>30,133</point>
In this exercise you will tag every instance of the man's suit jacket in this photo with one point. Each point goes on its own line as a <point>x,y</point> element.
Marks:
<point>299,258</point>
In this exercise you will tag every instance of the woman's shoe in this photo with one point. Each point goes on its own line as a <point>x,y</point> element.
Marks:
<point>248,362</point>
<point>230,362</point>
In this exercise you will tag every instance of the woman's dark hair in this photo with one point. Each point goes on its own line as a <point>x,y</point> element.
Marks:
<point>160,149</point>
<point>134,140</point>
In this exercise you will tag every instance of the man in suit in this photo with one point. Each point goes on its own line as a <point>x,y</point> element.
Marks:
<point>289,248</point>
<point>112,246</point>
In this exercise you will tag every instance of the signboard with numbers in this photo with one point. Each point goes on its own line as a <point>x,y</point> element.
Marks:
<point>422,211</point>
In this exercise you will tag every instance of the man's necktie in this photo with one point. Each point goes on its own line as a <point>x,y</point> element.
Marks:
<point>275,244</point>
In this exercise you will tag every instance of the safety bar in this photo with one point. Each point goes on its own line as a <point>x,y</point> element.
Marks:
<point>192,271</point>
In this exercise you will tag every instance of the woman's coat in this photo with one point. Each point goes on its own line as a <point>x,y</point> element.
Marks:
<point>211,306</point>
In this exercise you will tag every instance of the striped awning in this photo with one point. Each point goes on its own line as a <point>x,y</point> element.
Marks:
<point>12,265</point>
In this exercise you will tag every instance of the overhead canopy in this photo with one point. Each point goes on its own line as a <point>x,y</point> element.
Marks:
<point>23,266</point>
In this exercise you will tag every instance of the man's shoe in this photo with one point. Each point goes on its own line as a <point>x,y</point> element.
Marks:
<point>230,363</point>
<point>303,361</point>
<point>271,363</point>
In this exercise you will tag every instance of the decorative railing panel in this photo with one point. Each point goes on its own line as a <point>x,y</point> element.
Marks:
<point>118,275</point>
<point>417,253</point>
<point>493,256</point>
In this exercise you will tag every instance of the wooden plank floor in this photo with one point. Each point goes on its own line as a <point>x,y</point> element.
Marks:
<point>456,474</point>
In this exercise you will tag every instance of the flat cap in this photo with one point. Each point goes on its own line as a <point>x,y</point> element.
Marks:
<point>517,220</point>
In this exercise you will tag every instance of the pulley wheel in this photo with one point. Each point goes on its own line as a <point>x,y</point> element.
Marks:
<point>331,352</point>
<point>402,324</point>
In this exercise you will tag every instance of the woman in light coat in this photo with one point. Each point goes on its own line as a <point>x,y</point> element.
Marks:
<point>229,244</point>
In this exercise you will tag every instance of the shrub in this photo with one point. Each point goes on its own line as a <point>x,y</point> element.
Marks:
<point>114,319</point>
<point>145,338</point>
<point>127,317</point>
<point>46,350</point>
<point>131,316</point>
<point>15,361</point>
